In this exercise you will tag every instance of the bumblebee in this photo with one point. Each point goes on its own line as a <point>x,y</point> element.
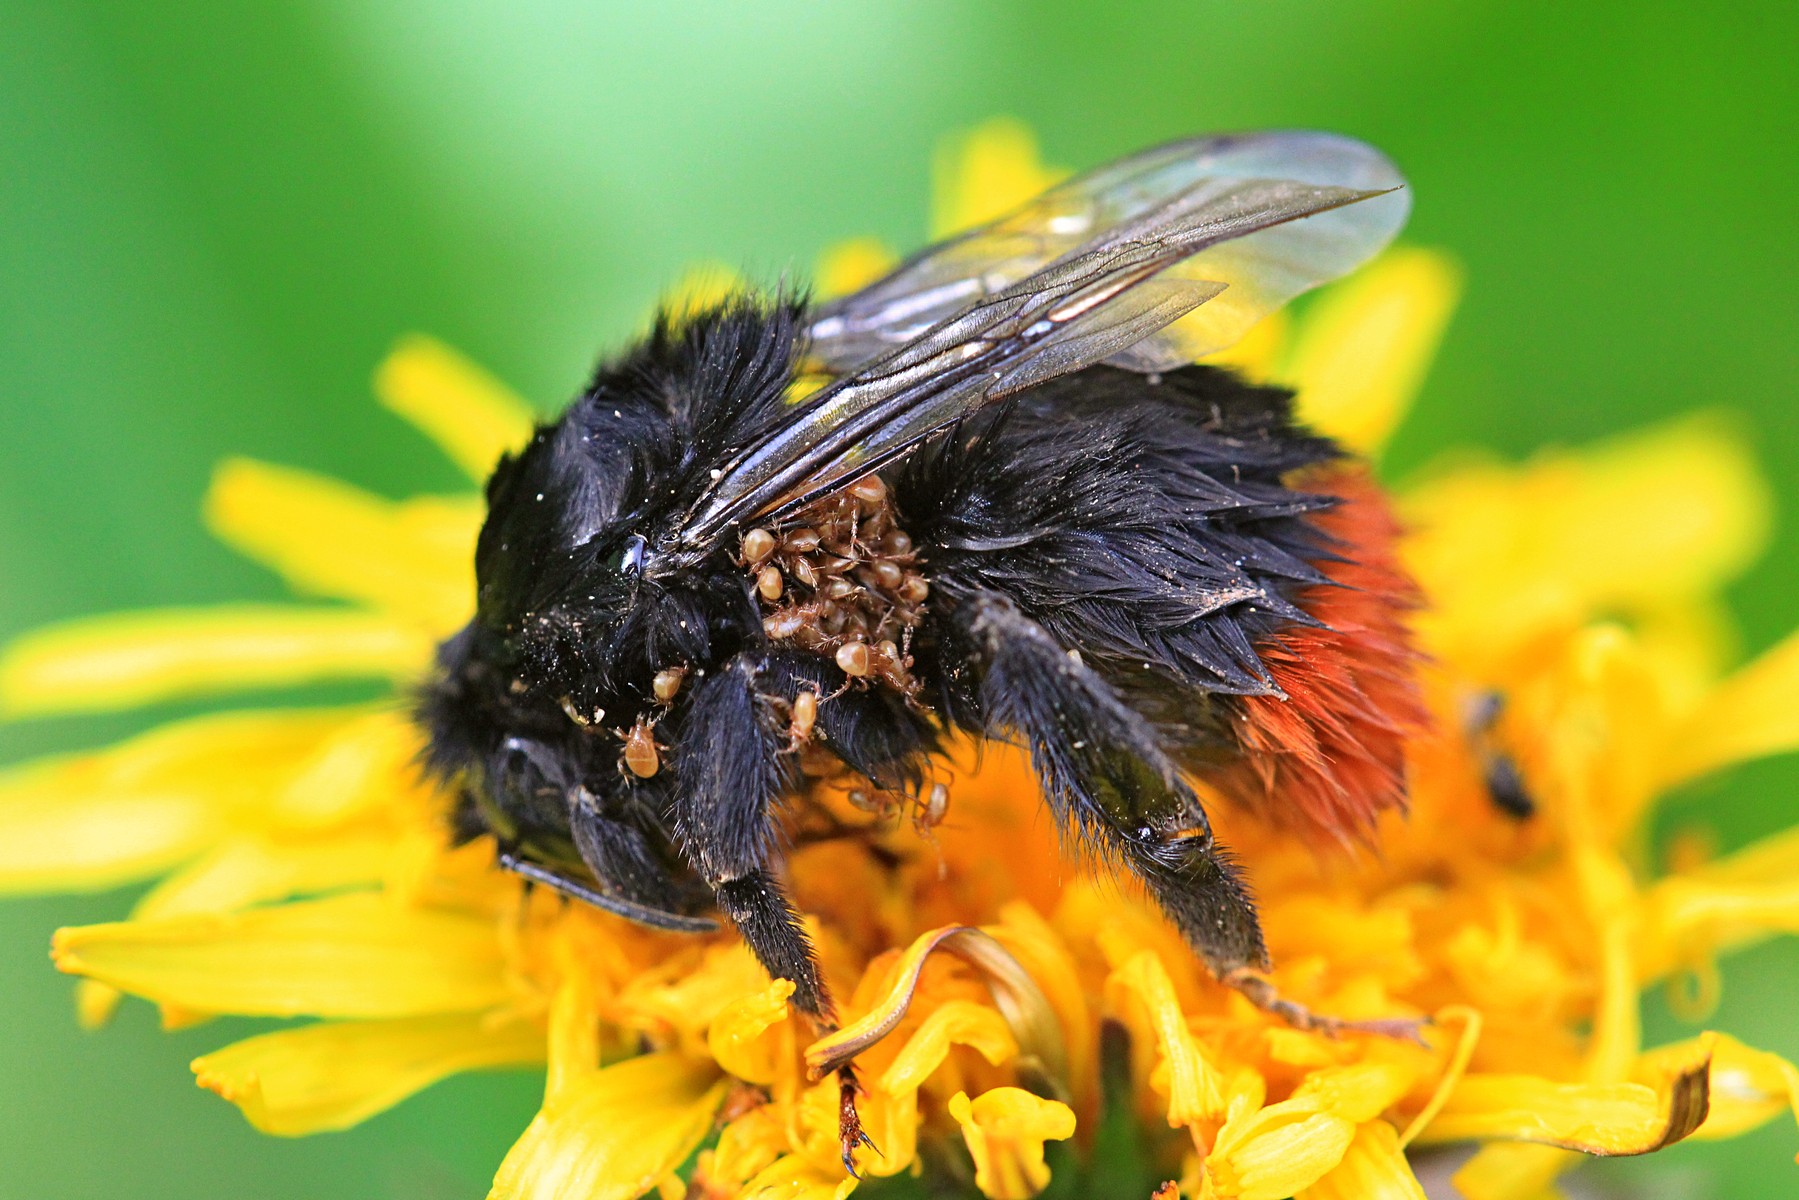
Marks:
<point>1014,510</point>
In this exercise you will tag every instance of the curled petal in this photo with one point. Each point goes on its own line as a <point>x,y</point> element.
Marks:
<point>326,538</point>
<point>337,1074</point>
<point>1374,1167</point>
<point>1595,1118</point>
<point>1749,1087</point>
<point>473,417</point>
<point>125,660</point>
<point>1014,992</point>
<point>344,956</point>
<point>614,1133</point>
<point>1005,1129</point>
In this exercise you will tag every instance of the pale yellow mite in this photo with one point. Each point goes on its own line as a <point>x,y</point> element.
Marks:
<point>641,757</point>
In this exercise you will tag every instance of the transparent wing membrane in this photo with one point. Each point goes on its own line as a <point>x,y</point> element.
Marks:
<point>1262,272</point>
<point>1146,263</point>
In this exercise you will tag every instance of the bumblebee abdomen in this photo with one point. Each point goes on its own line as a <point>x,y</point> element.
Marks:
<point>1327,754</point>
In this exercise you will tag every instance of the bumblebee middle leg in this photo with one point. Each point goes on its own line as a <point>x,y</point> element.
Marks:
<point>575,889</point>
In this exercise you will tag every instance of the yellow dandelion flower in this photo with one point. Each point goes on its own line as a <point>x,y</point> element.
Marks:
<point>994,999</point>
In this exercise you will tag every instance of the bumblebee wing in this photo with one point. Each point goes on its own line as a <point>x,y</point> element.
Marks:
<point>1148,254</point>
<point>1261,273</point>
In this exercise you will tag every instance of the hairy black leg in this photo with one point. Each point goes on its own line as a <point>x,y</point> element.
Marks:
<point>1108,780</point>
<point>730,774</point>
<point>618,836</point>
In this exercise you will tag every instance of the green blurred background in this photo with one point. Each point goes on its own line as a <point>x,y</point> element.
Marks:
<point>216,216</point>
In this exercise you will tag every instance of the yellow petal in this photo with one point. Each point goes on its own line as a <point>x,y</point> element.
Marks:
<point>700,287</point>
<point>369,765</point>
<point>1257,352</point>
<point>986,173</point>
<point>1595,1118</point>
<point>1044,957</point>
<point>90,841</point>
<point>241,872</point>
<point>1357,1093</point>
<point>737,1035</point>
<point>254,870</point>
<point>1274,1152</point>
<point>1373,1168</point>
<point>1749,1087</point>
<point>473,417</point>
<point>337,1074</point>
<point>1510,1171</point>
<point>689,999</point>
<point>1632,525</point>
<point>1750,715</point>
<point>746,1147</point>
<point>97,820</point>
<point>413,559</point>
<point>574,1034</point>
<point>1453,1070</point>
<point>852,265</point>
<point>613,1134</point>
<point>1195,1089</point>
<point>893,1120</point>
<point>1005,1129</point>
<point>1366,343</point>
<point>344,956</point>
<point>124,660</point>
<point>797,1178</point>
<point>1692,919</point>
<point>952,1023</point>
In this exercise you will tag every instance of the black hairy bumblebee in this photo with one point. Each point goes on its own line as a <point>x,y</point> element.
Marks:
<point>1015,510</point>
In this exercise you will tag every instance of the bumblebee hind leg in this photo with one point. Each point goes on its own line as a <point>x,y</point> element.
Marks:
<point>1109,782</point>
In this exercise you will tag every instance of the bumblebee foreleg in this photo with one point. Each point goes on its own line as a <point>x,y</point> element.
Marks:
<point>731,772</point>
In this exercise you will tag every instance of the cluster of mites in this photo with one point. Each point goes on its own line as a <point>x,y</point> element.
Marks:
<point>839,577</point>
